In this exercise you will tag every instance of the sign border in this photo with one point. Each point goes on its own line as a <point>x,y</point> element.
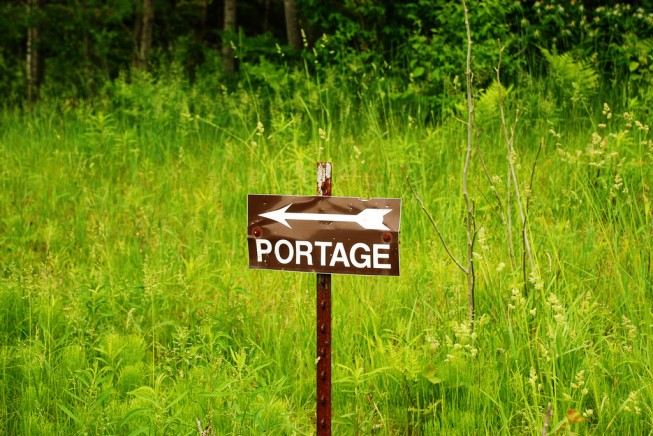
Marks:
<point>350,271</point>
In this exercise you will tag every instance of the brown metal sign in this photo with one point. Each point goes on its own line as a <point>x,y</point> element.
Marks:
<point>339,235</point>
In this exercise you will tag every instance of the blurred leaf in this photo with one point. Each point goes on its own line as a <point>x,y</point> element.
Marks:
<point>429,373</point>
<point>418,72</point>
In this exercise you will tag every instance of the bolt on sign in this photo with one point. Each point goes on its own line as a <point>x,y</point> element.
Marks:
<point>341,235</point>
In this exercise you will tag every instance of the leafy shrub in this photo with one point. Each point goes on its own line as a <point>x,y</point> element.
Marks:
<point>131,377</point>
<point>574,80</point>
<point>420,46</point>
<point>612,35</point>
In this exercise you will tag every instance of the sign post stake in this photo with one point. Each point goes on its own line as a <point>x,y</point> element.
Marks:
<point>323,361</point>
<point>325,235</point>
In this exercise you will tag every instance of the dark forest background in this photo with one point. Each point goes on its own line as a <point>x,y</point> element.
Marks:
<point>76,48</point>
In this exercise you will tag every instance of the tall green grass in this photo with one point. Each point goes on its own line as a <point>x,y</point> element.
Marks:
<point>127,305</point>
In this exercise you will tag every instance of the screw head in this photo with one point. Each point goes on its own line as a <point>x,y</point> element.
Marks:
<point>257,231</point>
<point>387,237</point>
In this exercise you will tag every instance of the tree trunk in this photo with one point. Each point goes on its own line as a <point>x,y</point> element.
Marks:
<point>33,61</point>
<point>200,31</point>
<point>292,28</point>
<point>266,16</point>
<point>143,35</point>
<point>228,37</point>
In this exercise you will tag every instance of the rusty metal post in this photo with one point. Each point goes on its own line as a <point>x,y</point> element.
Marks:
<point>323,366</point>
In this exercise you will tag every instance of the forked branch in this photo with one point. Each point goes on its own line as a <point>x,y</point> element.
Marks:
<point>434,224</point>
<point>469,219</point>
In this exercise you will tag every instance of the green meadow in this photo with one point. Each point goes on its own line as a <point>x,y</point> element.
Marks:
<point>127,306</point>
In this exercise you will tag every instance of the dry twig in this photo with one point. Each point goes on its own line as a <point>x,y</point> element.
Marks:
<point>470,221</point>
<point>547,418</point>
<point>434,224</point>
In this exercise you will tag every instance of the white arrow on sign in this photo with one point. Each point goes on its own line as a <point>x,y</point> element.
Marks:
<point>369,219</point>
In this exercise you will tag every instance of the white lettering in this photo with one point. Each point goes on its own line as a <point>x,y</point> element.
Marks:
<point>304,248</point>
<point>323,246</point>
<point>360,255</point>
<point>277,251</point>
<point>339,255</point>
<point>376,255</point>
<point>366,262</point>
<point>260,251</point>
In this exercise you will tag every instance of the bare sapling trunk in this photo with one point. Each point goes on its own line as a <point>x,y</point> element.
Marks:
<point>229,29</point>
<point>470,220</point>
<point>512,177</point>
<point>292,28</point>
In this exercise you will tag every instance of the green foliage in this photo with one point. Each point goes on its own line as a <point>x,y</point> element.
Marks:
<point>126,305</point>
<point>608,33</point>
<point>574,80</point>
<point>488,104</point>
<point>418,47</point>
<point>412,52</point>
